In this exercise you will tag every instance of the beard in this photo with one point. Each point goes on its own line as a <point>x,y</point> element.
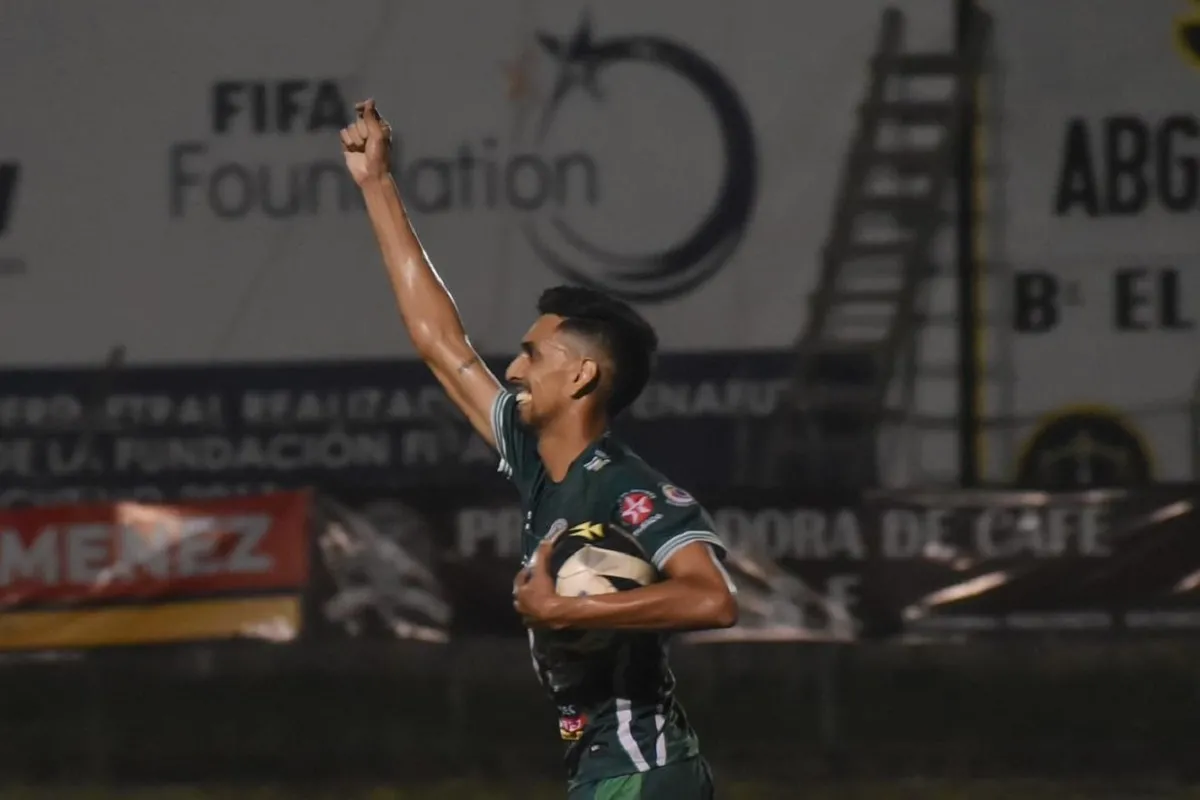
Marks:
<point>535,417</point>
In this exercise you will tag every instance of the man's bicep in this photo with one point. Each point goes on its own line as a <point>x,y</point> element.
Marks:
<point>471,386</point>
<point>698,561</point>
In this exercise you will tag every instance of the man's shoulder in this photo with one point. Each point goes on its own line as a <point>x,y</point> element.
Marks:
<point>614,468</point>
<point>639,500</point>
<point>619,478</point>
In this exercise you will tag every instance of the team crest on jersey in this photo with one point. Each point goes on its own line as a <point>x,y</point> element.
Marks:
<point>636,507</point>
<point>676,496</point>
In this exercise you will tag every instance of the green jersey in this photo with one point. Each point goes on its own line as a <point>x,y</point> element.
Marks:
<point>616,696</point>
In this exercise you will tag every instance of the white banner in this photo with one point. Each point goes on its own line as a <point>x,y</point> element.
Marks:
<point>176,183</point>
<point>1094,211</point>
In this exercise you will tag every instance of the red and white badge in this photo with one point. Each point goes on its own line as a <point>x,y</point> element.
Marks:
<point>636,507</point>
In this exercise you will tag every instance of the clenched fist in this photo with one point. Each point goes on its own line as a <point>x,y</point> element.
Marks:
<point>367,145</point>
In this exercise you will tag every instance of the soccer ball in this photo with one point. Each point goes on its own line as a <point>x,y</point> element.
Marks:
<point>598,561</point>
<point>594,561</point>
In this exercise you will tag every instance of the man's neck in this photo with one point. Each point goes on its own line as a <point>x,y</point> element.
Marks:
<point>560,445</point>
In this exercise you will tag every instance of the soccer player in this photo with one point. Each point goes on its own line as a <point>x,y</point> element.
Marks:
<point>585,358</point>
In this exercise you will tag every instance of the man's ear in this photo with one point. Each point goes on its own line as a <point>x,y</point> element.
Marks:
<point>588,378</point>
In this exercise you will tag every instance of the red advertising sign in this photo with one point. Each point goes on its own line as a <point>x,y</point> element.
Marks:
<point>137,572</point>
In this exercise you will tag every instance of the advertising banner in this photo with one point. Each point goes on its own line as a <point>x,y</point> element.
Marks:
<point>438,564</point>
<point>150,433</point>
<point>910,568</point>
<point>1091,141</point>
<point>135,573</point>
<point>951,563</point>
<point>682,154</point>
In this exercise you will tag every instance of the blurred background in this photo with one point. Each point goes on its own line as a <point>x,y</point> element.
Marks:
<point>925,276</point>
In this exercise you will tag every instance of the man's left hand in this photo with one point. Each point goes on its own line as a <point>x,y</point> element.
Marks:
<point>534,595</point>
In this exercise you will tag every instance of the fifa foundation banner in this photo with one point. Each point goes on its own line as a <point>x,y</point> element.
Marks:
<point>1093,146</point>
<point>683,154</point>
<point>134,573</point>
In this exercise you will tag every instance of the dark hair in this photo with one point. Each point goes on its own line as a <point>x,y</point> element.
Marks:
<point>613,325</point>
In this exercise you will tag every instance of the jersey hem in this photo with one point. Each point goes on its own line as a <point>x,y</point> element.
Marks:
<point>575,783</point>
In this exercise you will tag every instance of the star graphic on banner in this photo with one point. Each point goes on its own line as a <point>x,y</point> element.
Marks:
<point>578,60</point>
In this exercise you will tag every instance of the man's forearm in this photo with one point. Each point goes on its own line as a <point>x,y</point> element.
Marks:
<point>670,605</point>
<point>428,310</point>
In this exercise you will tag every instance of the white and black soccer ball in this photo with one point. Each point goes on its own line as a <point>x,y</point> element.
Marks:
<point>596,561</point>
<point>600,560</point>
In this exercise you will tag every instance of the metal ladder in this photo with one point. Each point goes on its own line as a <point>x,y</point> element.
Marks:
<point>856,360</point>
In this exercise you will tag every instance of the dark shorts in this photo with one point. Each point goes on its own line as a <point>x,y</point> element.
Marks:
<point>683,780</point>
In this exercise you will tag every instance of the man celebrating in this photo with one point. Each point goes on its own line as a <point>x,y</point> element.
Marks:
<point>584,360</point>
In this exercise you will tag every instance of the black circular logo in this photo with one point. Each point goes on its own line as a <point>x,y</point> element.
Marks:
<point>651,277</point>
<point>1084,449</point>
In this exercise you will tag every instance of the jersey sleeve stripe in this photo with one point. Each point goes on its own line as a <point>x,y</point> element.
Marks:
<point>499,409</point>
<point>729,584</point>
<point>663,554</point>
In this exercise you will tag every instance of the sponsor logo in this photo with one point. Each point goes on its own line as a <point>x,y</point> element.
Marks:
<point>217,175</point>
<point>1084,447</point>
<point>557,181</point>
<point>96,553</point>
<point>1133,161</point>
<point>676,496</point>
<point>588,530</point>
<point>211,547</point>
<point>571,728</point>
<point>558,526</point>
<point>597,462</point>
<point>653,519</point>
<point>78,576</point>
<point>636,507</point>
<point>583,61</point>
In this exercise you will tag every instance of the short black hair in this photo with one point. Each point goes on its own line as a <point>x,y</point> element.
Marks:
<point>613,325</point>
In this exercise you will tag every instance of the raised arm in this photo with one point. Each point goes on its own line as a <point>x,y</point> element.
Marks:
<point>425,305</point>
